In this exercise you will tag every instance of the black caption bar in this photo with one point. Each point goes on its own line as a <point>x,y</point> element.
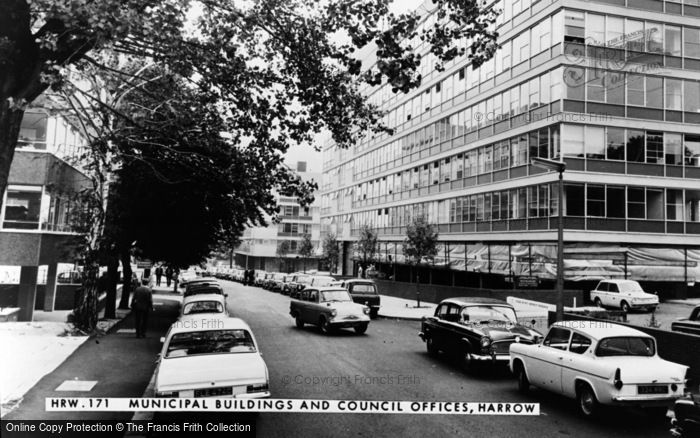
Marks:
<point>240,427</point>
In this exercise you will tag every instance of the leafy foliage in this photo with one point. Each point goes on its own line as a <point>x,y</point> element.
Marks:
<point>366,245</point>
<point>306,246</point>
<point>331,252</point>
<point>421,241</point>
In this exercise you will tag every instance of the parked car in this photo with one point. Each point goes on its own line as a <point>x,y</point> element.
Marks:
<point>330,309</point>
<point>213,304</point>
<point>187,281</point>
<point>623,294</point>
<point>688,325</point>
<point>277,282</point>
<point>364,292</point>
<point>204,288</point>
<point>218,361</point>
<point>685,417</point>
<point>599,363</point>
<point>476,330</point>
<point>269,280</point>
<point>297,283</point>
<point>320,280</point>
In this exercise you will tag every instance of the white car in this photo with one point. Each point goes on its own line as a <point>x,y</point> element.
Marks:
<point>623,294</point>
<point>219,359</point>
<point>599,363</point>
<point>209,304</point>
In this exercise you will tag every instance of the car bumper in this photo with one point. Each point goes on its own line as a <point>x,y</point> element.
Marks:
<point>348,324</point>
<point>644,305</point>
<point>644,400</point>
<point>493,358</point>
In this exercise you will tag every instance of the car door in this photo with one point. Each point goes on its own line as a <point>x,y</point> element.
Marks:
<point>548,359</point>
<point>434,328</point>
<point>311,297</point>
<point>452,328</point>
<point>613,295</point>
<point>576,358</point>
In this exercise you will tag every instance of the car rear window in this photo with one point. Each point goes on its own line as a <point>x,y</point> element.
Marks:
<point>202,307</point>
<point>364,288</point>
<point>210,342</point>
<point>203,290</point>
<point>626,346</point>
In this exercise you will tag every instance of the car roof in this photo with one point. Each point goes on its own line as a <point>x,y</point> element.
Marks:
<point>620,281</point>
<point>358,280</point>
<point>601,329</point>
<point>227,323</point>
<point>323,276</point>
<point>327,288</point>
<point>466,301</point>
<point>203,297</point>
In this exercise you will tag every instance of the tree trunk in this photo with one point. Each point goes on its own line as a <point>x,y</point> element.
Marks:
<point>230,259</point>
<point>112,280</point>
<point>10,122</point>
<point>125,258</point>
<point>85,306</point>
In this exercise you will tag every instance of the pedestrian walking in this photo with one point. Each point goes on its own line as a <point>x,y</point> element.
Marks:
<point>176,276</point>
<point>159,273</point>
<point>141,306</point>
<point>168,275</point>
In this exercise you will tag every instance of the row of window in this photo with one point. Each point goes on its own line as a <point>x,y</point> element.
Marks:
<point>294,228</point>
<point>540,201</point>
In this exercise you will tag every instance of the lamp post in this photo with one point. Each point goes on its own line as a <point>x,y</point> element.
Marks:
<point>557,166</point>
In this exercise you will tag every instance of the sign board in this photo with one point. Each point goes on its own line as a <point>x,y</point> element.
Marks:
<point>527,282</point>
<point>144,264</point>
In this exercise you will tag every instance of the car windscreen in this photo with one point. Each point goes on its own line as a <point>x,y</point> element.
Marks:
<point>304,280</point>
<point>335,295</point>
<point>367,288</point>
<point>209,342</point>
<point>630,286</point>
<point>202,307</point>
<point>322,282</point>
<point>487,314</point>
<point>626,346</point>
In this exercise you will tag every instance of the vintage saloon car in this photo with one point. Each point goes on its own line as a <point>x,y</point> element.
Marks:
<point>330,308</point>
<point>475,330</point>
<point>298,283</point>
<point>623,294</point>
<point>599,363</point>
<point>362,291</point>
<point>210,304</point>
<point>220,359</point>
<point>688,325</point>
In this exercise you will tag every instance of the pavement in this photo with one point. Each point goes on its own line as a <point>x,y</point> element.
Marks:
<point>399,308</point>
<point>687,302</point>
<point>99,367</point>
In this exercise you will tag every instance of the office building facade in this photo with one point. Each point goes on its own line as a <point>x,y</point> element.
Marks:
<point>610,87</point>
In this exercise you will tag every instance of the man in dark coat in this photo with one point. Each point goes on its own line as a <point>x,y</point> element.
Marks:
<point>141,305</point>
<point>159,273</point>
<point>168,275</point>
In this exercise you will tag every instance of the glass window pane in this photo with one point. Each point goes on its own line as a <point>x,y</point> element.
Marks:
<point>691,150</point>
<point>691,42</point>
<point>635,89</point>
<point>655,147</point>
<point>595,142</point>
<point>672,149</point>
<point>595,195</point>
<point>615,202</point>
<point>635,203</point>
<point>595,29</point>
<point>572,140</point>
<point>654,94</point>
<point>594,85</point>
<point>22,209</point>
<point>691,96</point>
<point>655,37</point>
<point>615,143</point>
<point>574,78</point>
<point>614,31</point>
<point>672,41</point>
<point>674,92</point>
<point>635,146</point>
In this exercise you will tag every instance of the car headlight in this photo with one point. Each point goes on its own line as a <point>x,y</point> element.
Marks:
<point>334,312</point>
<point>365,310</point>
<point>485,341</point>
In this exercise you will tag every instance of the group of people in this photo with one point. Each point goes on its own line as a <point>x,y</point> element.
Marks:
<point>248,277</point>
<point>170,275</point>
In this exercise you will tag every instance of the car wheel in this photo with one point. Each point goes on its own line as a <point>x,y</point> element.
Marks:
<point>598,303</point>
<point>299,322</point>
<point>587,403</point>
<point>360,329</point>
<point>432,348</point>
<point>625,306</point>
<point>325,326</point>
<point>523,382</point>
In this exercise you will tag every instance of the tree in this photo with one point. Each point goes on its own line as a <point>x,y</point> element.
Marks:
<point>366,246</point>
<point>283,248</point>
<point>421,241</point>
<point>331,252</point>
<point>306,247</point>
<point>277,67</point>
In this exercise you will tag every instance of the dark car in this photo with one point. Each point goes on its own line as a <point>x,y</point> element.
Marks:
<point>689,325</point>
<point>298,283</point>
<point>364,292</point>
<point>685,421</point>
<point>475,330</point>
<point>204,288</point>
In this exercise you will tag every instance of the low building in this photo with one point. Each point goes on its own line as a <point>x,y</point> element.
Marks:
<point>35,230</point>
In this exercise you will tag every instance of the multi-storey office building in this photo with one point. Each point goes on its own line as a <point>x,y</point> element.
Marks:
<point>35,219</point>
<point>259,248</point>
<point>610,87</point>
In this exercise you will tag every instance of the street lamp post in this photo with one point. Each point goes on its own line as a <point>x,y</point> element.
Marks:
<point>557,166</point>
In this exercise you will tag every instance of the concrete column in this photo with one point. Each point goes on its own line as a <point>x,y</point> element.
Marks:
<point>50,293</point>
<point>27,292</point>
